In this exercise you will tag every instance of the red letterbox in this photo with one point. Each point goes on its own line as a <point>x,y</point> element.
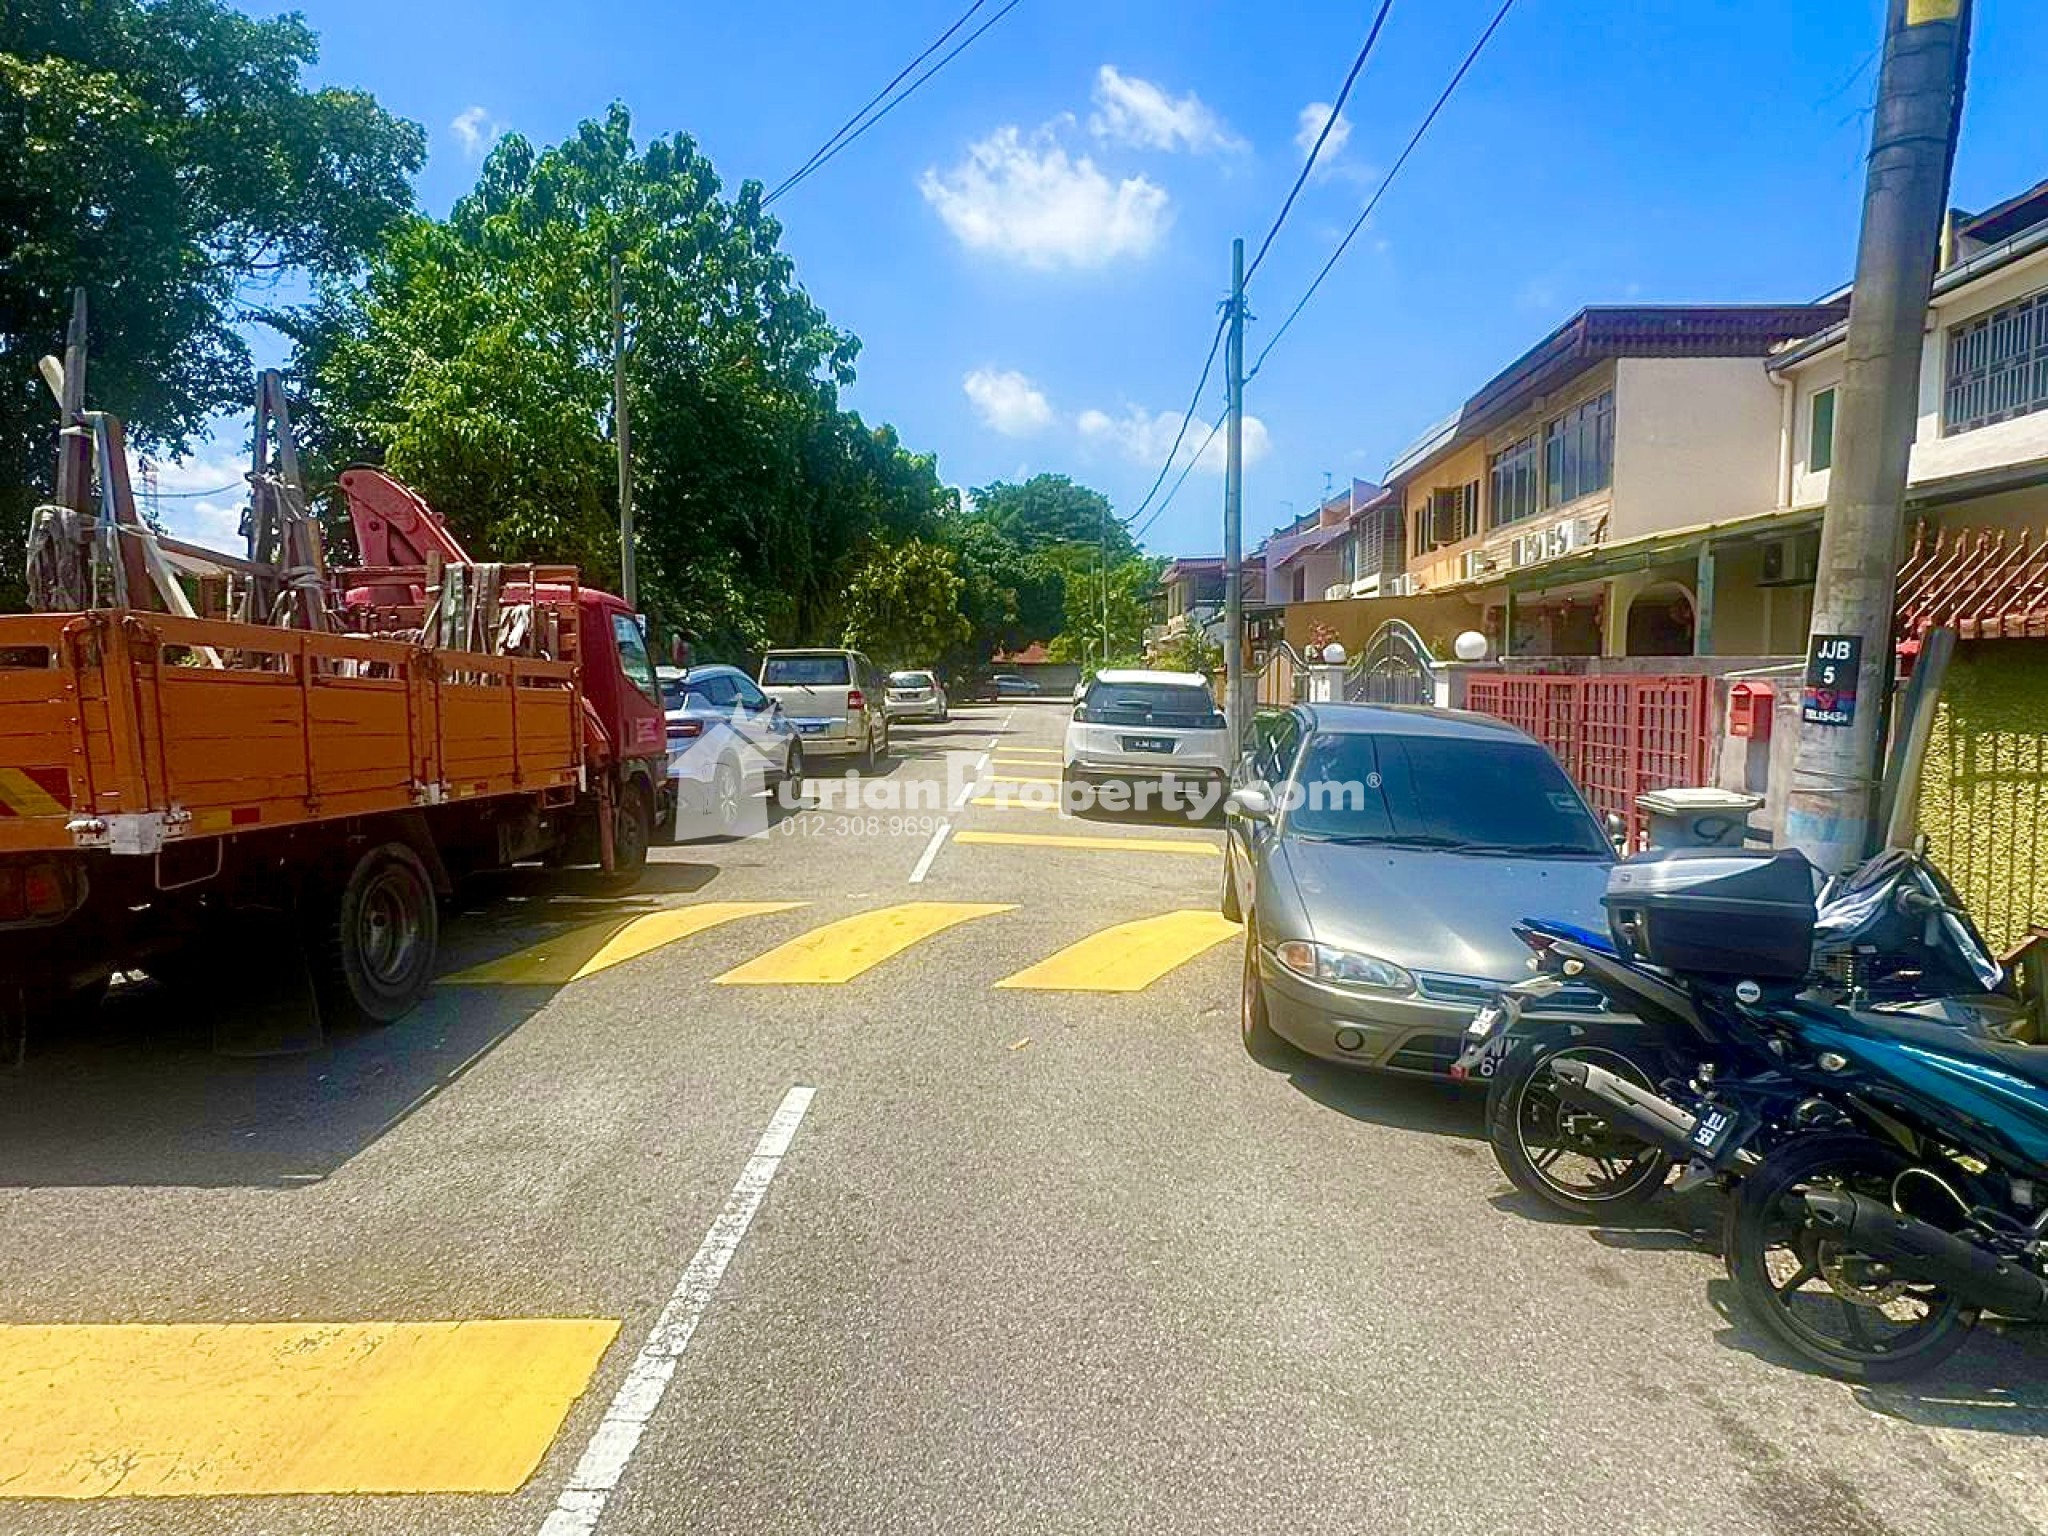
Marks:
<point>1749,710</point>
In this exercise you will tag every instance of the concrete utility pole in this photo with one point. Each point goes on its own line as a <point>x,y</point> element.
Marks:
<point>1104,537</point>
<point>629,584</point>
<point>1237,707</point>
<point>1829,815</point>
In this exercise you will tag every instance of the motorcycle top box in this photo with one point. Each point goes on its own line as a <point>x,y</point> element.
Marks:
<point>1715,911</point>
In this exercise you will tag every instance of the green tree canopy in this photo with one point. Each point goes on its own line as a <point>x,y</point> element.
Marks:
<point>169,159</point>
<point>903,608</point>
<point>476,361</point>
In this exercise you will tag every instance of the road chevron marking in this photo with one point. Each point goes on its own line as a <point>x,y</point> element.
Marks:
<point>214,1410</point>
<point>853,946</point>
<point>585,951</point>
<point>1128,957</point>
<point>617,1435</point>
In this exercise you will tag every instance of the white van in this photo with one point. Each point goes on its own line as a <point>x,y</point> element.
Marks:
<point>834,698</point>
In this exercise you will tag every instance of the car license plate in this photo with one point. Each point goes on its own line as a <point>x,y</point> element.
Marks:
<point>812,727</point>
<point>1148,743</point>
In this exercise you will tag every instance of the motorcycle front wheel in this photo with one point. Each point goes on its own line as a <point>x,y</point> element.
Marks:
<point>1846,1312</point>
<point>1570,1158</point>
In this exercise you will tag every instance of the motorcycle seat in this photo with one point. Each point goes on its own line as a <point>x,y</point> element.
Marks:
<point>2027,1062</point>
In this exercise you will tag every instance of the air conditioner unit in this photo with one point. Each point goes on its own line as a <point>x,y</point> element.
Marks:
<point>1793,561</point>
<point>1479,562</point>
<point>1397,586</point>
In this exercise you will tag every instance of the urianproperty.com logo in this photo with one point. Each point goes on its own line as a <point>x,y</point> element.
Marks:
<point>726,787</point>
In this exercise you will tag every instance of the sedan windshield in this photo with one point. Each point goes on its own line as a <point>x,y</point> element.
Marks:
<point>1473,796</point>
<point>1179,706</point>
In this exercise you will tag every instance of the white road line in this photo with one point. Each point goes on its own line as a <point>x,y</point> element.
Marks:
<point>931,851</point>
<point>617,1435</point>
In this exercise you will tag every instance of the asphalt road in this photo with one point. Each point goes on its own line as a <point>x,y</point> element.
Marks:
<point>1033,1260</point>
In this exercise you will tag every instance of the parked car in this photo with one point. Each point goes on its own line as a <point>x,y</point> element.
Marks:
<point>834,699</point>
<point>1379,857</point>
<point>727,741</point>
<point>915,696</point>
<point>1008,685</point>
<point>1137,724</point>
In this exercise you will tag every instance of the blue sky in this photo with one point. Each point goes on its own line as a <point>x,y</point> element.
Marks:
<point>1033,247</point>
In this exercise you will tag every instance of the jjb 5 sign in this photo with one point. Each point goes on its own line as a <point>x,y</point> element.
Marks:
<point>1831,667</point>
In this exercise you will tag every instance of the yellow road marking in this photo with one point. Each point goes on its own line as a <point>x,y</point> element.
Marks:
<point>1015,805</point>
<point>1128,957</point>
<point>585,951</point>
<point>1019,778</point>
<point>1029,755</point>
<point>169,1410</point>
<point>843,950</point>
<point>1093,844</point>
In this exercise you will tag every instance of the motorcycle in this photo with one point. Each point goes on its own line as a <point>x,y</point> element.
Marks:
<point>1590,1116</point>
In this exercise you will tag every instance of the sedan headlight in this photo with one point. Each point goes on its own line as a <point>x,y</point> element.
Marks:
<point>1342,967</point>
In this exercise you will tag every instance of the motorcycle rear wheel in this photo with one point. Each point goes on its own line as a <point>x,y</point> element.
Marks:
<point>1842,1311</point>
<point>1569,1158</point>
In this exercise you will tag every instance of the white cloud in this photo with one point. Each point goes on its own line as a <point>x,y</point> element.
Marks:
<point>1144,438</point>
<point>1026,198</point>
<point>1134,111</point>
<point>474,130</point>
<point>1310,123</point>
<point>164,489</point>
<point>1007,401</point>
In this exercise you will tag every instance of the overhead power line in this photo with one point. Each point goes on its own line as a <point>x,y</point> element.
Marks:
<point>1279,219</point>
<point>1186,470</point>
<point>869,105</point>
<point>843,140</point>
<point>1373,202</point>
<point>1315,149</point>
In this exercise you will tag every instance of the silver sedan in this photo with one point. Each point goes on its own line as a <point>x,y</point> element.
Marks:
<point>1379,858</point>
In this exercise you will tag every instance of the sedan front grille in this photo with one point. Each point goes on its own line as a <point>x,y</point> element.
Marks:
<point>1476,992</point>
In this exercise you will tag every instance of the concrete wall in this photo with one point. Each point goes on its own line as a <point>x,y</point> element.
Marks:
<point>1984,791</point>
<point>1695,441</point>
<point>1439,620</point>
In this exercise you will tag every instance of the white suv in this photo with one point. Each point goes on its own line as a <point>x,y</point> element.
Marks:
<point>1133,724</point>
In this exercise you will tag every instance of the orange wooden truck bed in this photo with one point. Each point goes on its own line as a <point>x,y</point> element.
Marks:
<point>118,732</point>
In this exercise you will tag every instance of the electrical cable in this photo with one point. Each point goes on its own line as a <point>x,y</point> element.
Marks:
<point>819,162</point>
<point>1359,223</point>
<point>1187,417</point>
<point>1316,149</point>
<point>869,105</point>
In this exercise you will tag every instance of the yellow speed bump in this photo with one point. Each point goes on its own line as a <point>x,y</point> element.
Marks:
<point>1092,844</point>
<point>1128,957</point>
<point>171,1410</point>
<point>852,946</point>
<point>1020,778</point>
<point>585,951</point>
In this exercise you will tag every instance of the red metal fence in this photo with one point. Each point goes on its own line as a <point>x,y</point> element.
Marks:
<point>1618,735</point>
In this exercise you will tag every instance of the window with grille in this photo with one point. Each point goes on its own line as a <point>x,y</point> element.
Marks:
<point>1578,451</point>
<point>1997,366</point>
<point>1513,486</point>
<point>1453,513</point>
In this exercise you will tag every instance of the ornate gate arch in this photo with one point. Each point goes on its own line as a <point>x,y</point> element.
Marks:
<point>1396,667</point>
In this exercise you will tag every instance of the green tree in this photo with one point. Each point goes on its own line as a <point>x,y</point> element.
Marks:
<point>1049,510</point>
<point>169,159</point>
<point>1132,586</point>
<point>476,362</point>
<point>903,607</point>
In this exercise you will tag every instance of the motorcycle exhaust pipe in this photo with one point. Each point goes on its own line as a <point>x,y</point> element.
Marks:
<point>1922,1251</point>
<point>1651,1116</point>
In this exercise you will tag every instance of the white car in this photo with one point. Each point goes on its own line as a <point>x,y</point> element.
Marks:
<point>915,695</point>
<point>1137,724</point>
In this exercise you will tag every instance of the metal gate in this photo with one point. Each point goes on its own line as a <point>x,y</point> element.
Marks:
<point>1281,678</point>
<point>1396,667</point>
<point>1618,735</point>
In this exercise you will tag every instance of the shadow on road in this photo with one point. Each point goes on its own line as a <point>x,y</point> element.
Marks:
<point>135,1094</point>
<point>1408,1104</point>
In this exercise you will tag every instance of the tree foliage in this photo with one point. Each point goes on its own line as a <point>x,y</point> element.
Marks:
<point>1130,588</point>
<point>169,159</point>
<point>903,608</point>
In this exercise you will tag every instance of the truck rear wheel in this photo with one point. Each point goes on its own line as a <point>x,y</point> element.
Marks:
<point>632,831</point>
<point>373,942</point>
